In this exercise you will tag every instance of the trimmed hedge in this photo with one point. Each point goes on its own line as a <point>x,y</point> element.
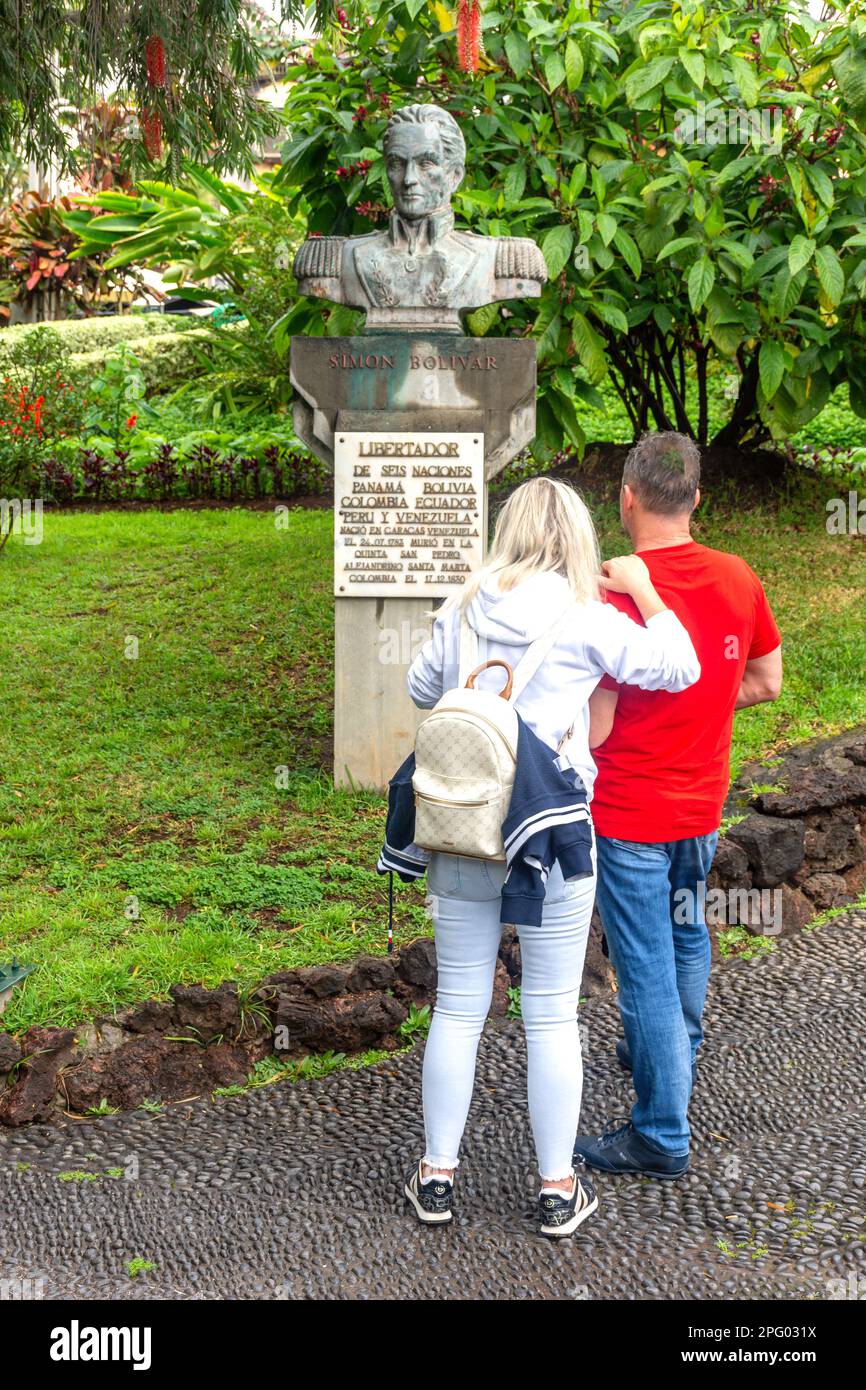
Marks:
<point>88,335</point>
<point>167,359</point>
<point>163,344</point>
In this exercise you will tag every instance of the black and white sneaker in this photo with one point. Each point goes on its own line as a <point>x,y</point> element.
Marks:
<point>431,1199</point>
<point>561,1215</point>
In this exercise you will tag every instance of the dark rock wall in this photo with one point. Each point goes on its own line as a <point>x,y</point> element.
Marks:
<point>806,839</point>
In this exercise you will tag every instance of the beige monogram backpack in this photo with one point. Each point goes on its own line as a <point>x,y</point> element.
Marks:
<point>466,754</point>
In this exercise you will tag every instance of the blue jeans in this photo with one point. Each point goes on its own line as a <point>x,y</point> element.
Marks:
<point>651,906</point>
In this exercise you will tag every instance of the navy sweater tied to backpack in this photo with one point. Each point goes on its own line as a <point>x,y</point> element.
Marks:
<point>548,822</point>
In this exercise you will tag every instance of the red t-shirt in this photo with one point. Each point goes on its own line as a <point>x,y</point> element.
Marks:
<point>663,771</point>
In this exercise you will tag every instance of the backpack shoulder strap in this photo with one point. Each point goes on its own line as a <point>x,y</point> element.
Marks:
<point>536,653</point>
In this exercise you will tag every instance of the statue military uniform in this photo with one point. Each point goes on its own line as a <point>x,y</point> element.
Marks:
<point>419,274</point>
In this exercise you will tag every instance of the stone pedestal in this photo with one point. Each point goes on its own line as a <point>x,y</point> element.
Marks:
<point>416,383</point>
<point>417,424</point>
<point>374,719</point>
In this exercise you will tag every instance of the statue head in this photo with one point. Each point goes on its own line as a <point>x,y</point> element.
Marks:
<point>425,155</point>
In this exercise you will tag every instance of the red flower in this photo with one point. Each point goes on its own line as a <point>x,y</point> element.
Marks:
<point>131,421</point>
<point>360,115</point>
<point>154,58</point>
<point>469,43</point>
<point>151,125</point>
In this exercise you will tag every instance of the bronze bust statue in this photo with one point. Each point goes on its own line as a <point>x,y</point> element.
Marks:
<point>420,272</point>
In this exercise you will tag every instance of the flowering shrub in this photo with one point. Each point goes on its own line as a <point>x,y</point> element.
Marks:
<point>23,415</point>
<point>38,404</point>
<point>116,395</point>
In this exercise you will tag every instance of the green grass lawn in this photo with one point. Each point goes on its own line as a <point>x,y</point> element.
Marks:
<point>145,834</point>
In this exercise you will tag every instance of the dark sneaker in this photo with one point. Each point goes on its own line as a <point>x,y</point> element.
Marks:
<point>623,1150</point>
<point>431,1199</point>
<point>561,1215</point>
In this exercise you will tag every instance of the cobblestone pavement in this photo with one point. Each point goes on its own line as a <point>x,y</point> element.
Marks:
<point>293,1191</point>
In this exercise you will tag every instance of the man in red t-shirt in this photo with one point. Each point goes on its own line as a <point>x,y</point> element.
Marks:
<point>663,773</point>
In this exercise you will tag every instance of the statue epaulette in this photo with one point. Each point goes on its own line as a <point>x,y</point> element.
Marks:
<point>319,255</point>
<point>518,258</point>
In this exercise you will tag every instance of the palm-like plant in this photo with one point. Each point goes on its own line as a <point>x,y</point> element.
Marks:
<point>40,268</point>
<point>186,231</point>
<point>217,242</point>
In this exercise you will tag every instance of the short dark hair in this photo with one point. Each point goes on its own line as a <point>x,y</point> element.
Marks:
<point>663,471</point>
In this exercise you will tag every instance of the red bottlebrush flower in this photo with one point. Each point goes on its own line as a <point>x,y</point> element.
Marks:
<point>151,125</point>
<point>130,423</point>
<point>154,59</point>
<point>469,43</point>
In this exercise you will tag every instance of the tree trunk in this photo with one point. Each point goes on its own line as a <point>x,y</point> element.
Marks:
<point>745,413</point>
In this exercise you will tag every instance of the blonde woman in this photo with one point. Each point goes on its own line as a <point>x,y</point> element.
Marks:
<point>543,569</point>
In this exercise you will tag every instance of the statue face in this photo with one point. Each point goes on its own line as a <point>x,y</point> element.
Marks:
<point>421,178</point>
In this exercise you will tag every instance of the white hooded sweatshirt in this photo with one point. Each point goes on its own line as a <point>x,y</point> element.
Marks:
<point>600,640</point>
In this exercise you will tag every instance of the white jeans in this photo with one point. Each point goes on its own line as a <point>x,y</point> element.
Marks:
<point>465,906</point>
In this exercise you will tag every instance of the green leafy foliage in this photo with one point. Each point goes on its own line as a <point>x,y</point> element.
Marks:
<point>97,334</point>
<point>214,241</point>
<point>186,70</point>
<point>694,177</point>
<point>116,395</point>
<point>167,361</point>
